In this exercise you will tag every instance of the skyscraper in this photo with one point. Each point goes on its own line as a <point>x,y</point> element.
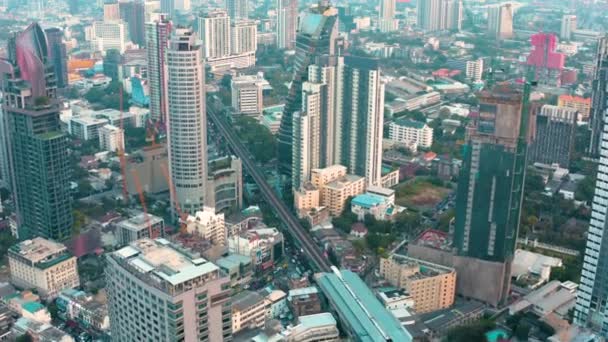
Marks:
<point>599,97</point>
<point>592,295</point>
<point>287,23</point>
<point>361,119</point>
<point>555,136</point>
<point>158,32</point>
<point>317,37</point>
<point>237,9</point>
<point>386,16</point>
<point>568,26</point>
<point>168,7</point>
<point>184,91</point>
<point>58,55</point>
<point>214,31</point>
<point>159,291</point>
<point>490,189</point>
<point>244,36</point>
<point>37,148</point>
<point>133,12</point>
<point>500,21</point>
<point>439,15</point>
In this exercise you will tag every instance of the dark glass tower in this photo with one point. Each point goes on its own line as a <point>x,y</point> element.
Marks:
<point>58,55</point>
<point>134,14</point>
<point>599,98</point>
<point>317,36</point>
<point>37,148</point>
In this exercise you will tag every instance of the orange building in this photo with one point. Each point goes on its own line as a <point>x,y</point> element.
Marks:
<point>583,105</point>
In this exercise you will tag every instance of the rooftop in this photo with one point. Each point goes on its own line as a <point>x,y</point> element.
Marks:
<point>530,262</point>
<point>246,299</point>
<point>140,221</point>
<point>163,261</point>
<point>343,181</point>
<point>233,260</point>
<point>425,269</point>
<point>32,307</point>
<point>368,200</point>
<point>405,122</point>
<point>436,239</point>
<point>39,250</point>
<point>314,321</point>
<point>89,120</point>
<point>304,291</point>
<point>356,304</point>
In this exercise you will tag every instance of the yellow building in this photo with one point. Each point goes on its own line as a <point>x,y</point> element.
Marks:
<point>320,177</point>
<point>306,198</point>
<point>432,286</point>
<point>248,311</point>
<point>583,105</point>
<point>335,194</point>
<point>44,265</point>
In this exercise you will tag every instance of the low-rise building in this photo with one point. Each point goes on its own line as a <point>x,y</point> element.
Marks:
<point>394,299</point>
<point>225,184</point>
<point>43,265</point>
<point>554,297</point>
<point>532,269</point>
<point>39,331</point>
<point>82,308</point>
<point>377,206</point>
<point>335,193</point>
<point>406,130</point>
<point>237,267</point>
<point>432,286</point>
<point>208,225</point>
<point>248,311</point>
<point>304,301</point>
<point>263,245</point>
<point>111,138</point>
<point>311,328</point>
<point>86,127</point>
<point>306,198</point>
<point>138,227</point>
<point>276,303</point>
<point>580,104</point>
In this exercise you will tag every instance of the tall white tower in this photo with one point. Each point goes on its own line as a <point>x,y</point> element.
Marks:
<point>386,20</point>
<point>287,23</point>
<point>186,120</point>
<point>214,31</point>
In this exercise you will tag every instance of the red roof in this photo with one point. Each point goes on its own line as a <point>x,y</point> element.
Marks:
<point>572,98</point>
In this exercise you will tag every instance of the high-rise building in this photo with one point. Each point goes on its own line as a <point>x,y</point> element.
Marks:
<point>111,138</point>
<point>214,31</point>
<point>500,21</point>
<point>568,26</point>
<point>474,70</point>
<point>105,35</point>
<point>142,225</point>
<point>111,11</point>
<point>159,291</point>
<point>168,7</point>
<point>490,189</point>
<point>317,37</point>
<point>361,122</point>
<point>386,16</point>
<point>58,55</point>
<point>555,136</point>
<point>184,92</point>
<point>237,9</point>
<point>287,23</point>
<point>599,97</point>
<point>158,32</point>
<point>440,15</point>
<point>133,12</point>
<point>36,145</point>
<point>244,36</point>
<point>209,225</point>
<point>247,93</point>
<point>592,293</point>
<point>544,60</point>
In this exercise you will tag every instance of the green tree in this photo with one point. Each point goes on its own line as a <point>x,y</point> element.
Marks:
<point>24,338</point>
<point>522,331</point>
<point>474,332</point>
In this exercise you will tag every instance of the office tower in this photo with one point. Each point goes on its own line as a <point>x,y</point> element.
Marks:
<point>287,21</point>
<point>105,35</point>
<point>160,291</point>
<point>244,36</point>
<point>133,12</point>
<point>474,70</point>
<point>214,31</point>
<point>317,37</point>
<point>599,97</point>
<point>184,92</point>
<point>555,136</point>
<point>568,26</point>
<point>58,55</point>
<point>386,16</point>
<point>361,119</point>
<point>38,149</point>
<point>490,189</point>
<point>112,65</point>
<point>546,63</point>
<point>592,294</point>
<point>158,32</point>
<point>500,21</point>
<point>237,9</point>
<point>111,11</point>
<point>439,15</point>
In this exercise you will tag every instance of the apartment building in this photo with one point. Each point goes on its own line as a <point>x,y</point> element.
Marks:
<point>248,311</point>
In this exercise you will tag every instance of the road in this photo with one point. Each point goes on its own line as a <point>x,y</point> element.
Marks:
<point>291,222</point>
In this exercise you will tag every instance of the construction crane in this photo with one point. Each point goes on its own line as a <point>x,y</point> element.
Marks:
<point>121,153</point>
